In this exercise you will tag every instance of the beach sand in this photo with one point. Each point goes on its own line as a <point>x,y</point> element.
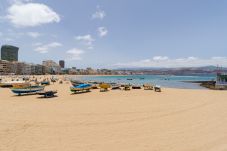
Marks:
<point>136,120</point>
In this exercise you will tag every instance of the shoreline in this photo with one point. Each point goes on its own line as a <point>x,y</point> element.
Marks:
<point>163,83</point>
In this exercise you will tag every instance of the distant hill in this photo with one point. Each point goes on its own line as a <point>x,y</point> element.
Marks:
<point>206,70</point>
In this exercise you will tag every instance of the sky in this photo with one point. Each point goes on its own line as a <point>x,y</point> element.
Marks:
<point>116,33</point>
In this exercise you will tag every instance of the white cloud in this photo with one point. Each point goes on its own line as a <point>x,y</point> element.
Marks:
<point>160,58</point>
<point>31,14</point>
<point>18,1</point>
<point>163,61</point>
<point>75,54</point>
<point>102,31</point>
<point>99,14</point>
<point>47,47</point>
<point>87,40</point>
<point>33,34</point>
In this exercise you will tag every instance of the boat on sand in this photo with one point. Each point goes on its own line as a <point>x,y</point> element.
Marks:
<point>27,89</point>
<point>81,88</point>
<point>9,84</point>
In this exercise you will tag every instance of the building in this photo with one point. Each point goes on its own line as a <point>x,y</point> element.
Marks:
<point>90,71</point>
<point>4,67</point>
<point>39,69</point>
<point>51,67</point>
<point>62,63</point>
<point>19,68</point>
<point>9,53</point>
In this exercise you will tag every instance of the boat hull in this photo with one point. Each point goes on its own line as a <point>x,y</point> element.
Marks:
<point>27,90</point>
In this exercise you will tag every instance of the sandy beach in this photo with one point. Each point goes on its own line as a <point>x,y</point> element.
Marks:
<point>136,120</point>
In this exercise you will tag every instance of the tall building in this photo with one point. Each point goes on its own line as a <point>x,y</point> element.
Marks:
<point>9,53</point>
<point>62,63</point>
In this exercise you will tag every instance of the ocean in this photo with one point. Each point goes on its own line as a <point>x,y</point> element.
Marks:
<point>162,80</point>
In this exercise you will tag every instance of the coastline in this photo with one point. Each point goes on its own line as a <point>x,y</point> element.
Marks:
<point>173,82</point>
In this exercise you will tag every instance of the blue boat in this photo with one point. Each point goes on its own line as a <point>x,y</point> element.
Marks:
<point>27,90</point>
<point>81,88</point>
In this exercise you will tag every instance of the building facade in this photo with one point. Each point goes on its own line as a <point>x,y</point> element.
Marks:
<point>51,67</point>
<point>9,53</point>
<point>4,67</point>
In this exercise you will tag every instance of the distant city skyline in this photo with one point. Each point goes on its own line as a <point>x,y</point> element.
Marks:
<point>117,34</point>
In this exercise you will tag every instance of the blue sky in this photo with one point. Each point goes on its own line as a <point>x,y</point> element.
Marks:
<point>114,33</point>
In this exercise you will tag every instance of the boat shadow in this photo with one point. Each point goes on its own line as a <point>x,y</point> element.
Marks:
<point>24,95</point>
<point>43,97</point>
<point>82,92</point>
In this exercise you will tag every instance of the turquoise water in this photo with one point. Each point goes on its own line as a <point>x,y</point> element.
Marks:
<point>163,80</point>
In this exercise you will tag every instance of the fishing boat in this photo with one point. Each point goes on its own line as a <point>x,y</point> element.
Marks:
<point>136,87</point>
<point>115,86</point>
<point>126,87</point>
<point>81,88</point>
<point>21,85</point>
<point>76,82</point>
<point>9,84</point>
<point>45,83</point>
<point>27,90</point>
<point>148,86</point>
<point>104,87</point>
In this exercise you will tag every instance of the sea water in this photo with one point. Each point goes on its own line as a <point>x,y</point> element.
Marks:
<point>162,80</point>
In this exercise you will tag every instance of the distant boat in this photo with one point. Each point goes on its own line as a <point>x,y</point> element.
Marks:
<point>27,90</point>
<point>129,79</point>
